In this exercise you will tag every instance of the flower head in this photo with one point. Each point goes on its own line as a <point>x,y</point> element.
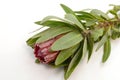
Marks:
<point>43,53</point>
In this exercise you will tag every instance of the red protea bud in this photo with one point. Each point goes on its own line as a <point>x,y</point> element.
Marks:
<point>43,53</point>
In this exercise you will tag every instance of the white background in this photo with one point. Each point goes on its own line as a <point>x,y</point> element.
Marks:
<point>17,19</point>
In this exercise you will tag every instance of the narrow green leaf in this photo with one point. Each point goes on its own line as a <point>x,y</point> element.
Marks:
<point>51,18</point>
<point>43,32</point>
<point>85,14</point>
<point>84,17</point>
<point>90,46</point>
<point>116,29</point>
<point>65,70</point>
<point>65,54</point>
<point>67,9</point>
<point>53,23</point>
<point>115,35</point>
<point>113,12</point>
<point>31,42</point>
<point>55,18</point>
<point>90,22</point>
<point>84,47</point>
<point>74,62</point>
<point>73,19</point>
<point>67,41</point>
<point>38,22</point>
<point>64,64</point>
<point>99,13</point>
<point>107,50</point>
<point>104,38</point>
<point>53,33</point>
<point>61,65</point>
<point>97,33</point>
<point>90,19</point>
<point>116,8</point>
<point>102,41</point>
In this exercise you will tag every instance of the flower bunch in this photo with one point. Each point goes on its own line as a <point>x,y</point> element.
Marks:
<point>65,41</point>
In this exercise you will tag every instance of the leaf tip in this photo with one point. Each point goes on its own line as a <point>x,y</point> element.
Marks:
<point>37,22</point>
<point>56,62</point>
<point>62,5</point>
<point>88,59</point>
<point>65,76</point>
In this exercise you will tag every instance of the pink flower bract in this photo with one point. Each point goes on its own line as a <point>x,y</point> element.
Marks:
<point>43,53</point>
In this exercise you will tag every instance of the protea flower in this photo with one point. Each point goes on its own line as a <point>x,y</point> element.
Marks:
<point>65,41</point>
<point>43,53</point>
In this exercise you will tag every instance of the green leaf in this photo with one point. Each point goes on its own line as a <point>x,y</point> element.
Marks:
<point>85,14</point>
<point>64,64</point>
<point>116,29</point>
<point>52,23</point>
<point>53,33</point>
<point>98,13</point>
<point>67,9</point>
<point>83,17</point>
<point>115,35</point>
<point>107,50</point>
<point>51,18</point>
<point>73,19</point>
<point>42,33</point>
<point>116,8</point>
<point>61,65</point>
<point>113,12</point>
<point>84,47</point>
<point>89,18</point>
<point>97,33</point>
<point>102,41</point>
<point>65,54</point>
<point>74,62</point>
<point>104,38</point>
<point>76,59</point>
<point>90,46</point>
<point>90,22</point>
<point>31,42</point>
<point>67,41</point>
<point>54,18</point>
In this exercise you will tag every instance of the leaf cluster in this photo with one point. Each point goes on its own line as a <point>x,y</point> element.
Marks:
<point>82,30</point>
